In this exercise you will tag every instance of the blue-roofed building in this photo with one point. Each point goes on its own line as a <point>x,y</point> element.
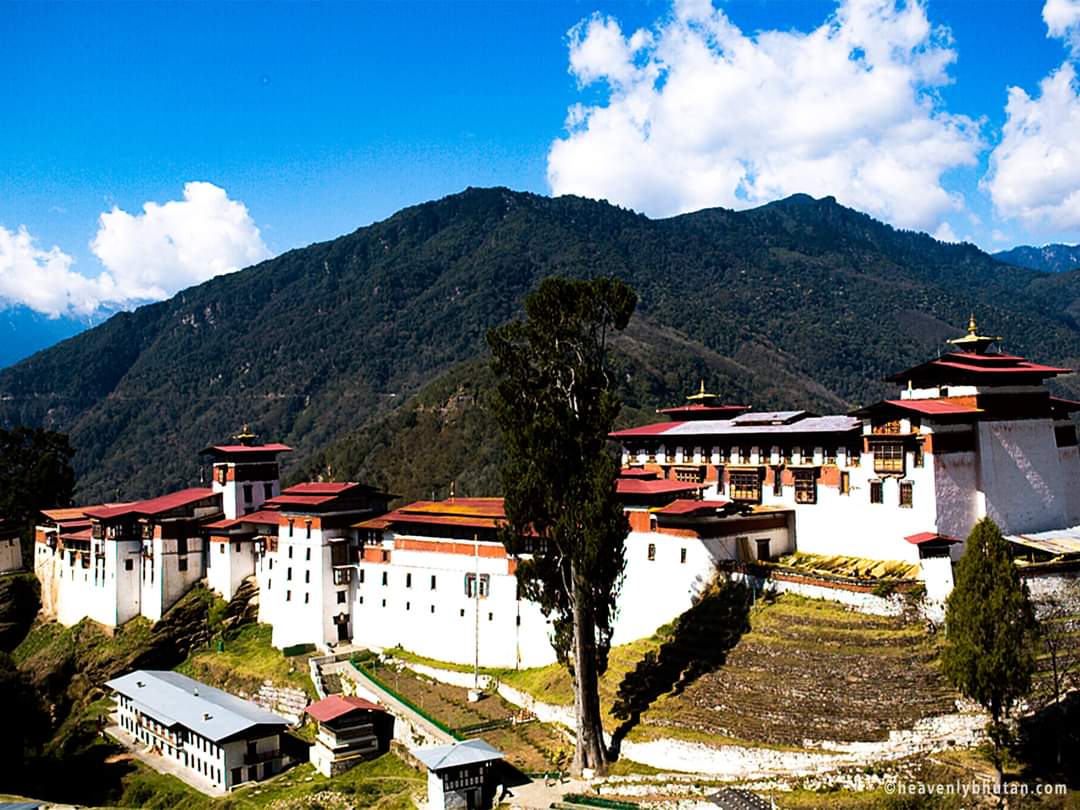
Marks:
<point>221,739</point>
<point>461,776</point>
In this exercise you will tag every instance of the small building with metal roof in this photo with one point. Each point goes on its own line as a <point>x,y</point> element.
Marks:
<point>220,739</point>
<point>460,775</point>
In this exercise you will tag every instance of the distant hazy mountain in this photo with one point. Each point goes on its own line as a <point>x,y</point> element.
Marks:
<point>366,353</point>
<point>23,332</point>
<point>1048,258</point>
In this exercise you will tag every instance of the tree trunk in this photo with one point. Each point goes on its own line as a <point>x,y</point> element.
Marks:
<point>590,751</point>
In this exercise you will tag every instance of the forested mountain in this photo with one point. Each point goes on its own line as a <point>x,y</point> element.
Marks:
<point>365,352</point>
<point>1048,258</point>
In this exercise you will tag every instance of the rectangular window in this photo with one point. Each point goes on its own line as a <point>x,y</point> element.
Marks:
<point>268,491</point>
<point>307,598</point>
<point>307,552</point>
<point>917,456</point>
<point>888,457</point>
<point>778,481</point>
<point>432,582</point>
<point>682,555</point>
<point>384,578</point>
<point>745,486</point>
<point>181,564</point>
<point>290,552</point>
<point>288,596</point>
<point>806,455</point>
<point>361,576</point>
<point>307,530</point>
<point>408,580</point>
<point>307,577</point>
<point>763,548</point>
<point>907,492</point>
<point>221,547</point>
<point>652,551</point>
<point>288,574</point>
<point>744,455</point>
<point>805,486</point>
<point>470,585</point>
<point>690,475</point>
<point>845,483</point>
<point>877,492</point>
<point>247,493</point>
<point>854,456</point>
<point>829,455</point>
<point>129,565</point>
<point>292,525</point>
<point>341,597</point>
<point>786,454</point>
<point>181,545</point>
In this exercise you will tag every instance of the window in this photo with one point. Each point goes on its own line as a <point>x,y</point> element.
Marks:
<point>889,457</point>
<point>745,486</point>
<point>360,577</point>
<point>384,578</point>
<point>408,580</point>
<point>845,483</point>
<point>778,481</point>
<point>652,551</point>
<point>432,608</point>
<point>917,456</point>
<point>181,545</point>
<point>805,486</point>
<point>307,530</point>
<point>290,552</point>
<point>682,555</point>
<point>307,577</point>
<point>877,493</point>
<point>385,555</point>
<point>288,573</point>
<point>384,603</point>
<point>854,456</point>
<point>307,598</point>
<point>806,455</point>
<point>129,565</point>
<point>288,596</point>
<point>341,597</point>
<point>432,582</point>
<point>181,564</point>
<point>907,492</point>
<point>247,493</point>
<point>744,455</point>
<point>491,616</point>
<point>221,547</point>
<point>360,600</point>
<point>470,585</point>
<point>785,454</point>
<point>268,491</point>
<point>292,524</point>
<point>763,548</point>
<point>720,453</point>
<point>307,552</point>
<point>829,455</point>
<point>690,475</point>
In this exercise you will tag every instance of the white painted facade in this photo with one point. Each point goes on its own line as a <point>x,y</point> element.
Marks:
<point>10,554</point>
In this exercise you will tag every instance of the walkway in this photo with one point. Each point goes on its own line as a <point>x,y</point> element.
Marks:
<point>163,764</point>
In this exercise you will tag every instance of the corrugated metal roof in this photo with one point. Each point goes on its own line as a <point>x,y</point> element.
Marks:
<point>175,699</point>
<point>836,423</point>
<point>337,705</point>
<point>154,506</point>
<point>455,755</point>
<point>1055,541</point>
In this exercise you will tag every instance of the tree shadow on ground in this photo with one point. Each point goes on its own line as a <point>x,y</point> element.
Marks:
<point>700,641</point>
<point>1047,733</point>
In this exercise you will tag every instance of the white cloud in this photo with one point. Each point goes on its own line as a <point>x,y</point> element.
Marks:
<point>147,257</point>
<point>43,279</point>
<point>177,244</point>
<point>1034,173</point>
<point>698,114</point>
<point>1062,18</point>
<point>945,233</point>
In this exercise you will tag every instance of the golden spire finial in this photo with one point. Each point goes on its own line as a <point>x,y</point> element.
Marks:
<point>973,341</point>
<point>972,328</point>
<point>701,390</point>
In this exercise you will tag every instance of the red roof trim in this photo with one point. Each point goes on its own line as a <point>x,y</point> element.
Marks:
<point>154,506</point>
<point>685,506</point>
<point>248,448</point>
<point>647,430</point>
<point>930,537</point>
<point>933,407</point>
<point>638,486</point>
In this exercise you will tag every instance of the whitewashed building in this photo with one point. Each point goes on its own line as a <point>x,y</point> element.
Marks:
<point>10,549</point>
<point>220,740</point>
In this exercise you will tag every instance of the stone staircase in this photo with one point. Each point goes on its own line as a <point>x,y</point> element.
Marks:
<point>285,701</point>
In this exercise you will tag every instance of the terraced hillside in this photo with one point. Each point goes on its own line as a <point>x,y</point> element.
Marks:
<point>812,670</point>
<point>785,671</point>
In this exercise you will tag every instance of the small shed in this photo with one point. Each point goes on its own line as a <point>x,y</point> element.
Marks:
<point>461,776</point>
<point>351,730</point>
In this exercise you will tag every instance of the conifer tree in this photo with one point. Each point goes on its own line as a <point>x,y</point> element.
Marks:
<point>555,405</point>
<point>990,627</point>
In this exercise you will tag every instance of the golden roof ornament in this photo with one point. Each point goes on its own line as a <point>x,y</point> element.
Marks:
<point>245,436</point>
<point>702,395</point>
<point>973,341</point>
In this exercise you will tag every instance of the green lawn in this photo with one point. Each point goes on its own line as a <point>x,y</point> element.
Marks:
<point>247,660</point>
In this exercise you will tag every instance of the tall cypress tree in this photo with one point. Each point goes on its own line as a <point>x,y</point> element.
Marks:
<point>989,650</point>
<point>555,405</point>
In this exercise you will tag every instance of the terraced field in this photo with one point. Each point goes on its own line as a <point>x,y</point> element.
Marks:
<point>812,670</point>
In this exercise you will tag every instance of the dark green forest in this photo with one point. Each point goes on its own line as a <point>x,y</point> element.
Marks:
<point>366,353</point>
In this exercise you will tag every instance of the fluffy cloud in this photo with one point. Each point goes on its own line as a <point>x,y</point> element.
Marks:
<point>43,279</point>
<point>1034,173</point>
<point>182,242</point>
<point>1062,18</point>
<point>147,256</point>
<point>699,114</point>
<point>1035,170</point>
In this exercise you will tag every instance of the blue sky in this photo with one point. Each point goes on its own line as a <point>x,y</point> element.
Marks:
<point>307,121</point>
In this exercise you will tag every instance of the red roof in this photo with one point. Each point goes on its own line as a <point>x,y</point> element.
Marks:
<point>83,535</point>
<point>685,506</point>
<point>640,486</point>
<point>300,500</point>
<point>636,472</point>
<point>702,410</point>
<point>262,516</point>
<point>154,506</point>
<point>930,537</point>
<point>933,407</point>
<point>320,488</point>
<point>336,706</point>
<point>248,448</point>
<point>1021,368</point>
<point>647,430</point>
<point>476,513</point>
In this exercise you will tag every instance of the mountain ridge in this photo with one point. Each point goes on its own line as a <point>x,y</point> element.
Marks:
<point>324,341</point>
<point>1054,258</point>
